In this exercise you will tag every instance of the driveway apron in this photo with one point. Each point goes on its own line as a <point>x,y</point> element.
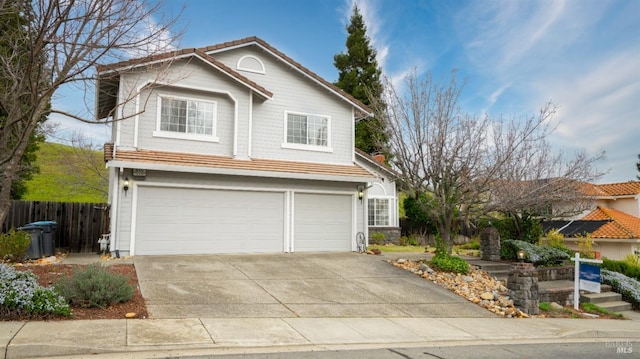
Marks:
<point>309,285</point>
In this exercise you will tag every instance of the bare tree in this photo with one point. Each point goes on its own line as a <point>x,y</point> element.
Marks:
<point>461,160</point>
<point>59,43</point>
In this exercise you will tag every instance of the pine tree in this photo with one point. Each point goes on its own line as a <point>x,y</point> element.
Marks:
<point>359,76</point>
<point>638,167</point>
<point>14,23</point>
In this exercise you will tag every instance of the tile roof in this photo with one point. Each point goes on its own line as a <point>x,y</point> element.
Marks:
<point>619,189</point>
<point>264,44</point>
<point>620,225</point>
<point>221,162</point>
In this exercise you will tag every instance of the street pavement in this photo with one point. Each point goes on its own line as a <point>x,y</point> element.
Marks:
<point>287,320</point>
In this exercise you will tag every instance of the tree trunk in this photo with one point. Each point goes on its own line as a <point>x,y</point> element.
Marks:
<point>5,187</point>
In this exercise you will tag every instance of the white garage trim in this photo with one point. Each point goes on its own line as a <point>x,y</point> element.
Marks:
<point>348,234</point>
<point>288,244</point>
<point>135,192</point>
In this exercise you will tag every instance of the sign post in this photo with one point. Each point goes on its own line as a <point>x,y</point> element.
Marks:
<point>587,278</point>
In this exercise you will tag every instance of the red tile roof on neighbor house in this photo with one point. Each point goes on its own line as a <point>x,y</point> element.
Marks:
<point>613,189</point>
<point>620,225</point>
<point>221,162</point>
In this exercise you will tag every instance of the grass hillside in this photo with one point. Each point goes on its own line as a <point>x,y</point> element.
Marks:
<point>68,174</point>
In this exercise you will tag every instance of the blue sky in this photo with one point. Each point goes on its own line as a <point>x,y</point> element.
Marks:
<point>583,55</point>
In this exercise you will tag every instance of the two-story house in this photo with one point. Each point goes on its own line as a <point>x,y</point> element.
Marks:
<point>613,222</point>
<point>234,148</point>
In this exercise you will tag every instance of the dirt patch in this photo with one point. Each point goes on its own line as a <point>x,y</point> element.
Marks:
<point>50,274</point>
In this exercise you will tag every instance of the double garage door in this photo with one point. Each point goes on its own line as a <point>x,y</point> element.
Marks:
<point>192,221</point>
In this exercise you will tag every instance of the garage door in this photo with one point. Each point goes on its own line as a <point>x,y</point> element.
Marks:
<point>189,221</point>
<point>322,222</point>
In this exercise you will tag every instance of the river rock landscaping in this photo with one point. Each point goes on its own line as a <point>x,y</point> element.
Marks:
<point>478,287</point>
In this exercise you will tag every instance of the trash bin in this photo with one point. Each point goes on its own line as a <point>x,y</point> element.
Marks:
<point>47,240</point>
<point>35,246</point>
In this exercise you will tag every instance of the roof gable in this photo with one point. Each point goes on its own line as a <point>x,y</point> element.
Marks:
<point>108,77</point>
<point>255,41</point>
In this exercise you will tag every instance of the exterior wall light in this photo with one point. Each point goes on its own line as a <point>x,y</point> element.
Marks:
<point>521,255</point>
<point>126,185</point>
<point>360,193</point>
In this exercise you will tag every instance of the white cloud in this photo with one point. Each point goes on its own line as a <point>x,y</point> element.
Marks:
<point>582,55</point>
<point>599,111</point>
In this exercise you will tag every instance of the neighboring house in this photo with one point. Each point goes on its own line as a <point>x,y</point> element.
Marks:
<point>614,223</point>
<point>235,148</point>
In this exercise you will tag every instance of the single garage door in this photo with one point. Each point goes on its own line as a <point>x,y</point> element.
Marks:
<point>322,222</point>
<point>191,221</point>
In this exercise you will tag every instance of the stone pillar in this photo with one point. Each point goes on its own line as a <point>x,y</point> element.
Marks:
<point>490,244</point>
<point>523,287</point>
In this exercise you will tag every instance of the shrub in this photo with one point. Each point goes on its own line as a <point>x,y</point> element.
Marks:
<point>545,306</point>
<point>633,260</point>
<point>622,267</point>
<point>95,286</point>
<point>628,287</point>
<point>447,263</point>
<point>539,256</point>
<point>585,246</point>
<point>473,244</point>
<point>377,237</point>
<point>21,296</point>
<point>555,239</point>
<point>14,245</point>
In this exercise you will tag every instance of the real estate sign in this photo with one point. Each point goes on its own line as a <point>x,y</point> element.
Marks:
<point>589,281</point>
<point>590,277</point>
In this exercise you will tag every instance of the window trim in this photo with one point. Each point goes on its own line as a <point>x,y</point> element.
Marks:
<point>182,135</point>
<point>299,146</point>
<point>390,218</point>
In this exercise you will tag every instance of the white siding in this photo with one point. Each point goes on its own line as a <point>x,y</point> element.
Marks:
<point>192,80</point>
<point>293,92</point>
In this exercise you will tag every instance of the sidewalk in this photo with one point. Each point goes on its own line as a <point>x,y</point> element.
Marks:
<point>210,334</point>
<point>153,337</point>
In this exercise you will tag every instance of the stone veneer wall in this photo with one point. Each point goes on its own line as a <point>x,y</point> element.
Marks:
<point>490,244</point>
<point>391,235</point>
<point>546,274</point>
<point>562,297</point>
<point>523,287</point>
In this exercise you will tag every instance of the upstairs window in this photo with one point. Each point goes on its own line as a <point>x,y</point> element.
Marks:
<point>187,116</point>
<point>304,130</point>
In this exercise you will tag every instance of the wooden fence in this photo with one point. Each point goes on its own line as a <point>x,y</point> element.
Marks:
<point>79,225</point>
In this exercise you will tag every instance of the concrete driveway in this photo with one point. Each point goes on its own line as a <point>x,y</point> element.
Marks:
<point>315,285</point>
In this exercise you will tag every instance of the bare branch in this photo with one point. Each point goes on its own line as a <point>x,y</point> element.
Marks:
<point>49,44</point>
<point>471,166</point>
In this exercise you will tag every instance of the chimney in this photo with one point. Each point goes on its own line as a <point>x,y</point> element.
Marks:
<point>380,158</point>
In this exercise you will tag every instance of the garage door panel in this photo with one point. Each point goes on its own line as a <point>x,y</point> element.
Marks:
<point>185,220</point>
<point>322,222</point>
